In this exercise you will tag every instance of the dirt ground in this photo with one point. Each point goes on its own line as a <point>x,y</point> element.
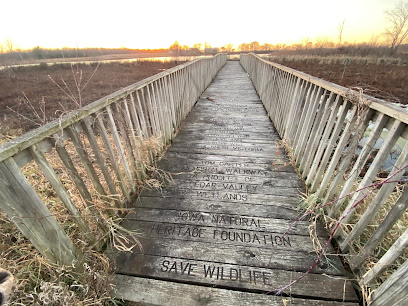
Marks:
<point>388,82</point>
<point>32,96</point>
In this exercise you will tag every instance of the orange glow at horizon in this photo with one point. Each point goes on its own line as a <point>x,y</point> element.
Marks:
<point>157,25</point>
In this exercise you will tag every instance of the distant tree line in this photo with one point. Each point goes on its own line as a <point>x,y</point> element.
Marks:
<point>14,55</point>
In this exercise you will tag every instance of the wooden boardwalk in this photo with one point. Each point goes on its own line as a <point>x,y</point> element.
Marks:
<point>214,235</point>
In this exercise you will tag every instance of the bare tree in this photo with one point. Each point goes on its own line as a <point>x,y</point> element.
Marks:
<point>397,29</point>
<point>9,45</point>
<point>340,29</point>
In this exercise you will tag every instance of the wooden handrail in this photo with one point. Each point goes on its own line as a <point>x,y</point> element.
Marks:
<point>104,149</point>
<point>332,132</point>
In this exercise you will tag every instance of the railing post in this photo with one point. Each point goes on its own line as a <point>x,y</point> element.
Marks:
<point>25,208</point>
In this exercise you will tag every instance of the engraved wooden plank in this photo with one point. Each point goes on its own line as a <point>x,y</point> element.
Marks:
<point>236,193</point>
<point>231,149</point>
<point>269,240</point>
<point>234,184</point>
<point>236,254</point>
<point>159,292</point>
<point>237,277</point>
<point>219,161</point>
<point>268,178</point>
<point>221,219</point>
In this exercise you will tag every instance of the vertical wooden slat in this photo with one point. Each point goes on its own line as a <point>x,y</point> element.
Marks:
<point>314,136</point>
<point>119,147</point>
<point>318,135</point>
<point>59,189</point>
<point>87,127</point>
<point>77,179</point>
<point>347,155</point>
<point>394,290</point>
<point>338,151</point>
<point>308,123</point>
<point>393,216</point>
<point>363,157</point>
<point>24,207</point>
<point>375,167</point>
<point>85,160</point>
<point>140,170</point>
<point>379,199</point>
<point>128,151</point>
<point>396,250</point>
<point>105,138</point>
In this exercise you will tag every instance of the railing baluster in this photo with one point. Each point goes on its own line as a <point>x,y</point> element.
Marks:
<point>52,177</point>
<point>32,217</point>
<point>87,127</point>
<point>105,138</point>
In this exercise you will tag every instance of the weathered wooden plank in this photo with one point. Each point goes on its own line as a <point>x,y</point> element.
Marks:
<point>24,207</point>
<point>274,209</point>
<point>254,238</point>
<point>159,292</point>
<point>223,194</point>
<point>233,221</point>
<point>394,290</point>
<point>238,277</point>
<point>231,162</point>
<point>388,259</point>
<point>119,147</point>
<point>321,165</point>
<point>327,131</point>
<point>178,165</point>
<point>236,254</point>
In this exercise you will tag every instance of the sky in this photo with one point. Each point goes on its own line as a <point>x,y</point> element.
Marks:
<point>157,24</point>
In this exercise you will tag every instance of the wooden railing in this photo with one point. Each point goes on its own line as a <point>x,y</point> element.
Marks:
<point>351,150</point>
<point>93,160</point>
